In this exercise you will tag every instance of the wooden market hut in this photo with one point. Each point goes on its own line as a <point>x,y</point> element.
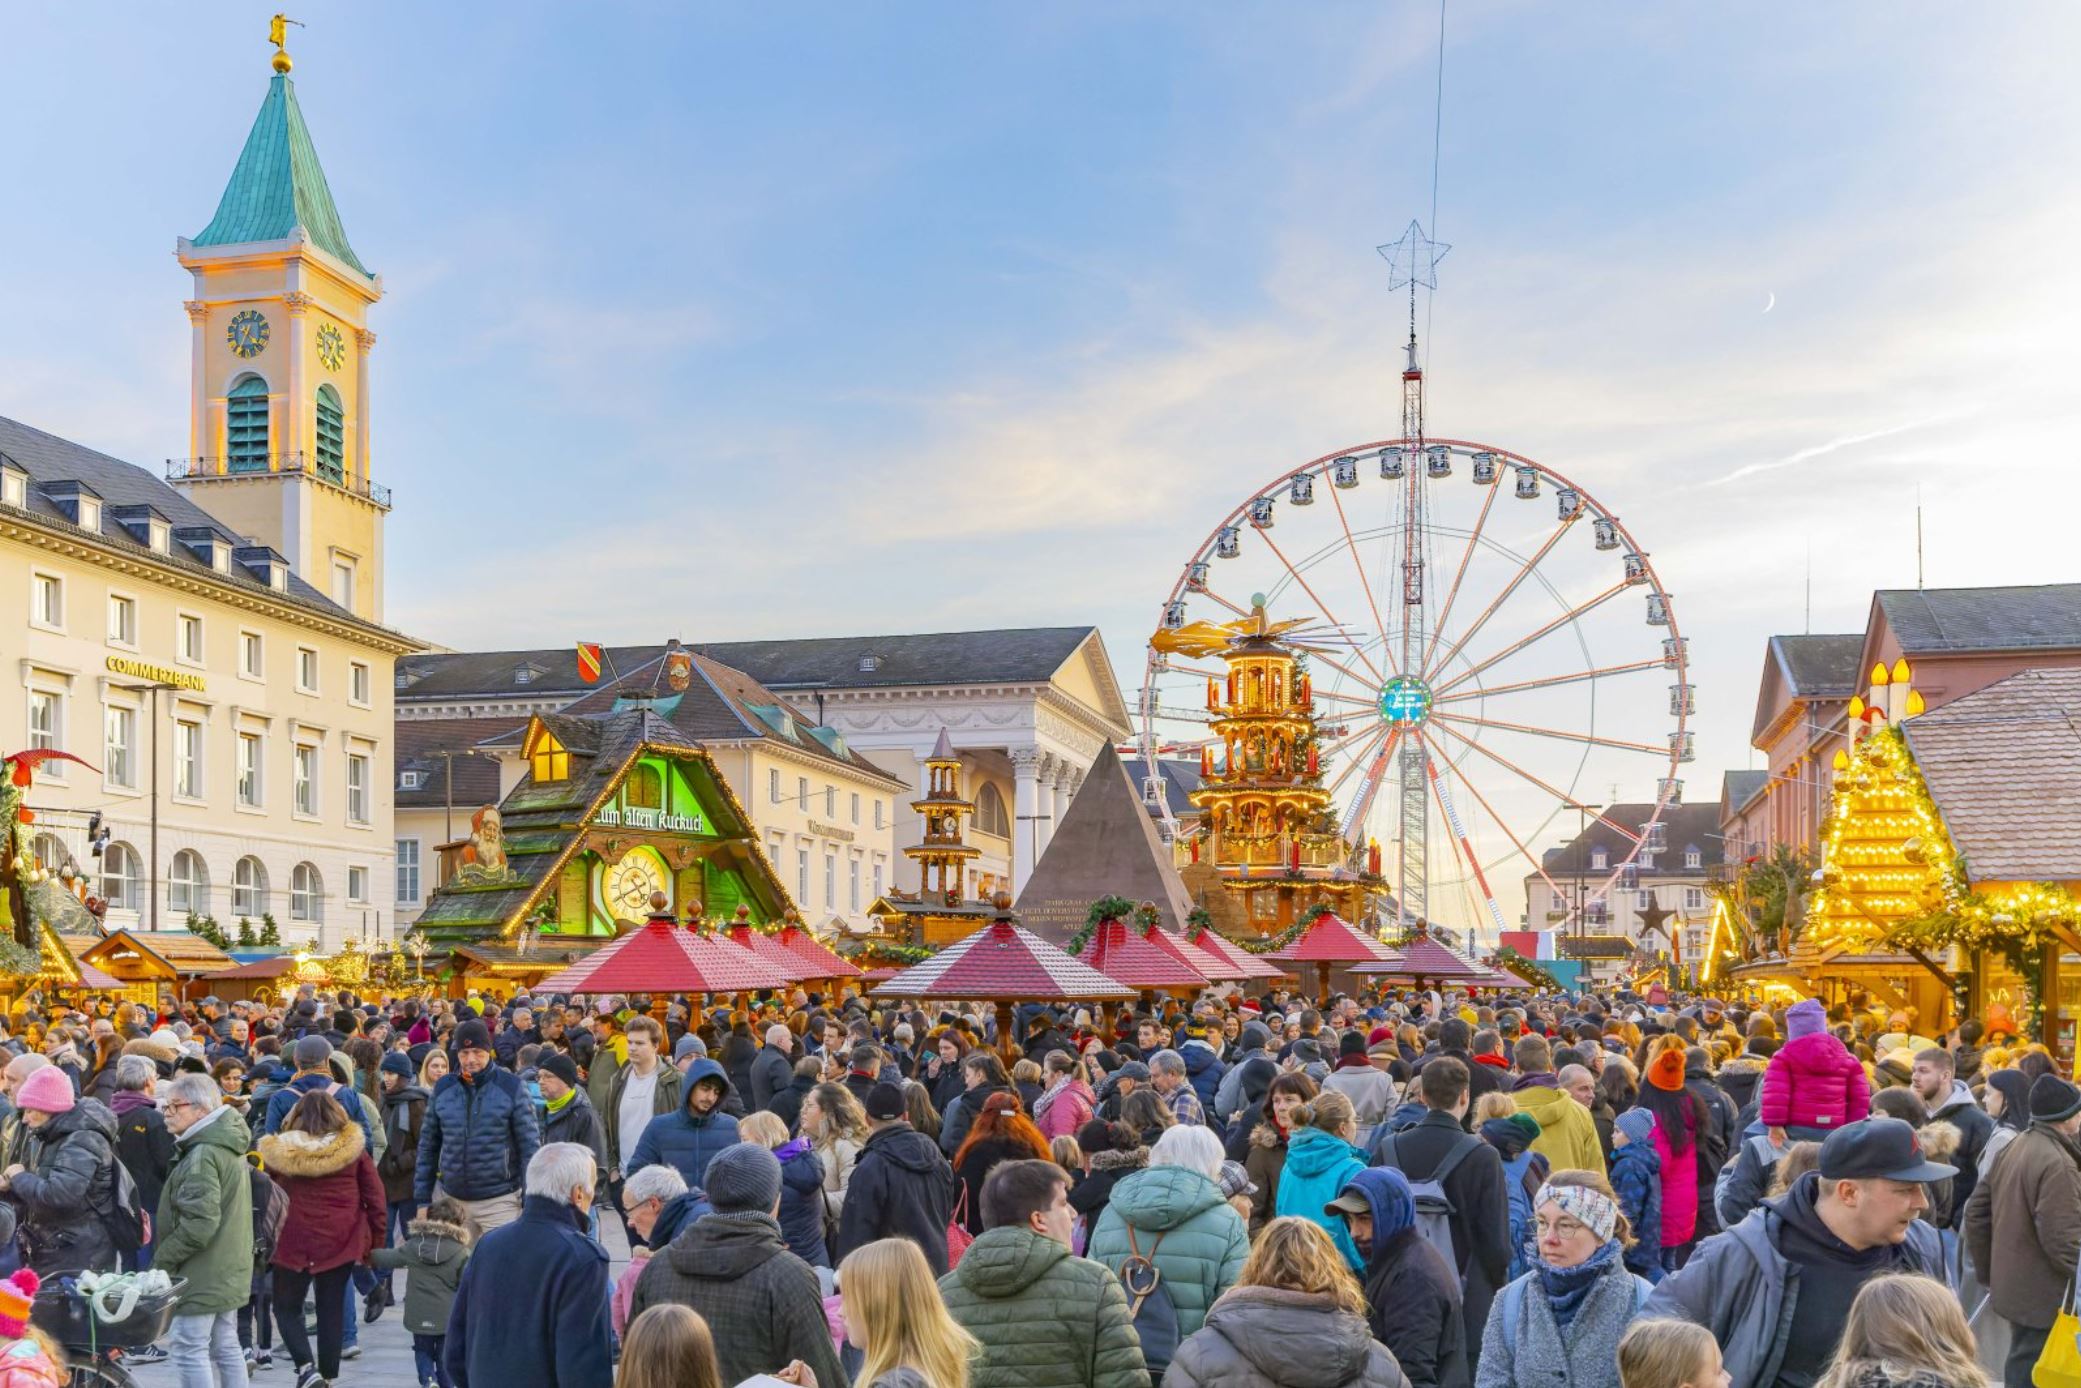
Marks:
<point>146,963</point>
<point>1427,963</point>
<point>260,980</point>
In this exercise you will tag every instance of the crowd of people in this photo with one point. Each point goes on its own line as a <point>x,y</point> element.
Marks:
<point>1395,1190</point>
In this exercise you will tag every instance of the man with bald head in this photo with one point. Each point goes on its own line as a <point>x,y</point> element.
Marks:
<point>773,1073</point>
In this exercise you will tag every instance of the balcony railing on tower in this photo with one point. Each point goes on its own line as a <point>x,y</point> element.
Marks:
<point>261,464</point>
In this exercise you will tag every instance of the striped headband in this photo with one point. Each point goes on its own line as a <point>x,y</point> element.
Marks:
<point>1593,1209</point>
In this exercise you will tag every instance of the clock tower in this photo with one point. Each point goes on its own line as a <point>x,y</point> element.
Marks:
<point>278,433</point>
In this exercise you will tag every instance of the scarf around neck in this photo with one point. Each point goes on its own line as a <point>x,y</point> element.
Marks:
<point>1567,1288</point>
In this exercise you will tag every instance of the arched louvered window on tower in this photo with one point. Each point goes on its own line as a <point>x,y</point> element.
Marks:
<point>332,435</point>
<point>245,426</point>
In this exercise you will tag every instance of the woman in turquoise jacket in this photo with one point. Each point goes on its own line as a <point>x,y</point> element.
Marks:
<point>1320,1158</point>
<point>1175,1214</point>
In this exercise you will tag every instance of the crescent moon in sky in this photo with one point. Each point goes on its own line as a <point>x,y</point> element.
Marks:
<point>1773,302</point>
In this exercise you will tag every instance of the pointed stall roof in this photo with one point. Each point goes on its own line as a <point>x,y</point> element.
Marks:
<point>1004,962</point>
<point>1330,939</point>
<point>277,187</point>
<point>768,950</point>
<point>1425,960</point>
<point>943,750</point>
<point>1121,952</point>
<point>1106,845</point>
<point>1235,961</point>
<point>822,960</point>
<point>663,957</point>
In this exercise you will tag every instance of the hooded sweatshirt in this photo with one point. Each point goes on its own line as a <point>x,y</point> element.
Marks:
<point>762,1303</point>
<point>1833,1274</point>
<point>1413,1293</point>
<point>1318,1165</point>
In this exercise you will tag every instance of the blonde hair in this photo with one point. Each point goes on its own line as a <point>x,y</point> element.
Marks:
<point>1294,1254</point>
<point>1799,1158</point>
<point>1329,1111</point>
<point>1908,1325</point>
<point>1493,1105</point>
<point>893,1303</point>
<point>1026,1072</point>
<point>1667,1354</point>
<point>668,1346</point>
<point>1067,1154</point>
<point>764,1128</point>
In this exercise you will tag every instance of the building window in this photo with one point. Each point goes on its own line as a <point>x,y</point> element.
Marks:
<point>187,638</point>
<point>187,884</point>
<point>122,621</point>
<point>332,437</point>
<point>773,784</point>
<point>1599,859</point>
<point>1694,898</point>
<point>245,426</point>
<point>802,874</point>
<point>802,794</point>
<point>878,815</point>
<point>249,887</point>
<point>187,759</point>
<point>645,789</point>
<point>249,765</point>
<point>358,885</point>
<point>306,670</point>
<point>305,772</point>
<point>47,601</point>
<point>990,816</point>
<point>852,873</point>
<point>358,682</point>
<point>251,654</point>
<point>357,788</point>
<point>407,871</point>
<point>856,807</point>
<point>120,763</point>
<point>306,894</point>
<point>1694,857</point>
<point>410,780</point>
<point>343,584</point>
<point>830,802</point>
<point>830,881</point>
<point>120,876</point>
<point>877,880</point>
<point>46,722</point>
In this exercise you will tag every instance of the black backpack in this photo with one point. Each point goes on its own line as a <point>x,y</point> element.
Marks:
<point>1149,1305</point>
<point>129,1229</point>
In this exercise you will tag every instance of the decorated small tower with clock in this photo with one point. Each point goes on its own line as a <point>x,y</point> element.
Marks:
<point>278,434</point>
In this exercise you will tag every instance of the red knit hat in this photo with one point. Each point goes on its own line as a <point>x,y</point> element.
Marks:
<point>17,1293</point>
<point>1666,1070</point>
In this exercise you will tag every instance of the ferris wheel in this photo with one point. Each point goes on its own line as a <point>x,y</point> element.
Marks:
<point>1494,661</point>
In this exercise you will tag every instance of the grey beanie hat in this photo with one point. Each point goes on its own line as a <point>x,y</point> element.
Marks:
<point>687,1045</point>
<point>743,1178</point>
<point>311,1053</point>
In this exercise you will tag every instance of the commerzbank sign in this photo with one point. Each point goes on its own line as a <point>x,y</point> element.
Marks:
<point>637,817</point>
<point>157,674</point>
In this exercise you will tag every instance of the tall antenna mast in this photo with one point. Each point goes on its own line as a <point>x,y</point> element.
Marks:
<point>1918,537</point>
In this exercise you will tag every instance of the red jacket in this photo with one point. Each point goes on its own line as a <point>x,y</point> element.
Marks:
<point>1813,1082</point>
<point>336,1208</point>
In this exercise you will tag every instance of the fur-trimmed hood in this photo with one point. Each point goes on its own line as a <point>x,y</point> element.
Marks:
<point>438,1228</point>
<point>156,1051</point>
<point>1267,1135</point>
<point>1939,1139</point>
<point>291,1153</point>
<point>1134,1159</point>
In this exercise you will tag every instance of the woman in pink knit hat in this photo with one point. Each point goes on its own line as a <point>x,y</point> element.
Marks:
<point>64,1186</point>
<point>1813,1081</point>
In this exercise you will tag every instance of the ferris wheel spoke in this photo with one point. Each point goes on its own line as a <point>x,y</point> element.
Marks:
<point>1369,785</point>
<point>1580,609</point>
<point>1348,698</point>
<point>1345,670</point>
<point>1336,745</point>
<point>1216,597</point>
<point>1360,760</point>
<point>1589,738</point>
<point>1328,615</point>
<point>1366,584</point>
<point>1555,791</point>
<point>1461,848</point>
<point>1452,594</point>
<point>1524,571</point>
<point>1549,682</point>
<point>1195,670</point>
<point>1538,864</point>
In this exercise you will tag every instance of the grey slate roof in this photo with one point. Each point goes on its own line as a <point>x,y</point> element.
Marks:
<point>1737,788</point>
<point>1180,779</point>
<point>1030,655</point>
<point>553,672</point>
<point>1684,826</point>
<point>2004,767</point>
<point>2041,617</point>
<point>51,461</point>
<point>1822,667</point>
<point>418,743</point>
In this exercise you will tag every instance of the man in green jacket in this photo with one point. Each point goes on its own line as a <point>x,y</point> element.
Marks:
<point>205,1227</point>
<point>1045,1317</point>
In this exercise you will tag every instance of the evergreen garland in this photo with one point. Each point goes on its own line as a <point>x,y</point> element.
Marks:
<point>1106,908</point>
<point>1531,970</point>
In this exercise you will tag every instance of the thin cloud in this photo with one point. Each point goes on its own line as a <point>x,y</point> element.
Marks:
<point>1822,450</point>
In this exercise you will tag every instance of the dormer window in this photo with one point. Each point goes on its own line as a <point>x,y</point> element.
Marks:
<point>1694,857</point>
<point>524,675</point>
<point>870,663</point>
<point>1600,860</point>
<point>160,536</point>
<point>547,757</point>
<point>14,486</point>
<point>410,780</point>
<point>90,513</point>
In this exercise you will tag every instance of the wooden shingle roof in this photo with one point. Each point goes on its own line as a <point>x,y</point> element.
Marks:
<point>2003,765</point>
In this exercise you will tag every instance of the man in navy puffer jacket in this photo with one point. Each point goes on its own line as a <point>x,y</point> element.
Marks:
<point>689,1138</point>
<point>478,1135</point>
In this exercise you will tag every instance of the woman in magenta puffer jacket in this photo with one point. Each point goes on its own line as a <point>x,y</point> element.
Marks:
<point>336,1215</point>
<point>1813,1081</point>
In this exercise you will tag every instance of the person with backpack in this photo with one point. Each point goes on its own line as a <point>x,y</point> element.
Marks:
<point>1512,1134</point>
<point>313,1058</point>
<point>1559,1325</point>
<point>1412,1290</point>
<point>204,1228</point>
<point>66,1185</point>
<point>256,1319</point>
<point>1455,1173</point>
<point>1173,1224</point>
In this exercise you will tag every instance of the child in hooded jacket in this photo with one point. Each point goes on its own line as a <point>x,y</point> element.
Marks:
<point>1813,1081</point>
<point>436,1246</point>
<point>1636,1177</point>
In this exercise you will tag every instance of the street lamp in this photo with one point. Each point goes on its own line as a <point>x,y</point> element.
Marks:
<point>1582,851</point>
<point>152,868</point>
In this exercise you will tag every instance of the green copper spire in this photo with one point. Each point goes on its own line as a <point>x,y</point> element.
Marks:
<point>278,185</point>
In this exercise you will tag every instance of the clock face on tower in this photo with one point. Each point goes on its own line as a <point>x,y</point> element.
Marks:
<point>630,883</point>
<point>247,333</point>
<point>332,348</point>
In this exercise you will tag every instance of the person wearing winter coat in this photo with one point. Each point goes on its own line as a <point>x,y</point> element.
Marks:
<point>1000,1133</point>
<point>1044,1317</point>
<point>1266,1139</point>
<point>902,1187</point>
<point>984,1075</point>
<point>404,1115</point>
<point>1175,1215</point>
<point>1412,1292</point>
<point>2029,1209</point>
<point>1112,1153</point>
<point>1293,1291</point>
<point>1813,1081</point>
<point>1559,1325</point>
<point>1067,1103</point>
<point>1250,1073</point>
<point>531,1307</point>
<point>1567,1134</point>
<point>1320,1159</point>
<point>1204,1069</point>
<point>1947,1100</point>
<point>1775,1289</point>
<point>1680,1129</point>
<point>336,1215</point>
<point>690,1137</point>
<point>63,1184</point>
<point>2007,1101</point>
<point>1636,1178</point>
<point>477,1135</point>
<point>773,1071</point>
<point>143,1144</point>
<point>801,1213</point>
<point>203,1229</point>
<point>434,1251</point>
<point>1372,1092</point>
<point>762,1303</point>
<point>568,1114</point>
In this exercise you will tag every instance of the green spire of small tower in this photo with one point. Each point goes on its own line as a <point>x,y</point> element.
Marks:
<point>278,185</point>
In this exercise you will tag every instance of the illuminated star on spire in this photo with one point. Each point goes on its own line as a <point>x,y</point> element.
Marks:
<point>1413,259</point>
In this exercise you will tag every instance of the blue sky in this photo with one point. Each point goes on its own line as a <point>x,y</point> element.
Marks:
<point>787,320</point>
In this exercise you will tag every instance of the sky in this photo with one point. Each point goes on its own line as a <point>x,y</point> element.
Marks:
<point>731,321</point>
